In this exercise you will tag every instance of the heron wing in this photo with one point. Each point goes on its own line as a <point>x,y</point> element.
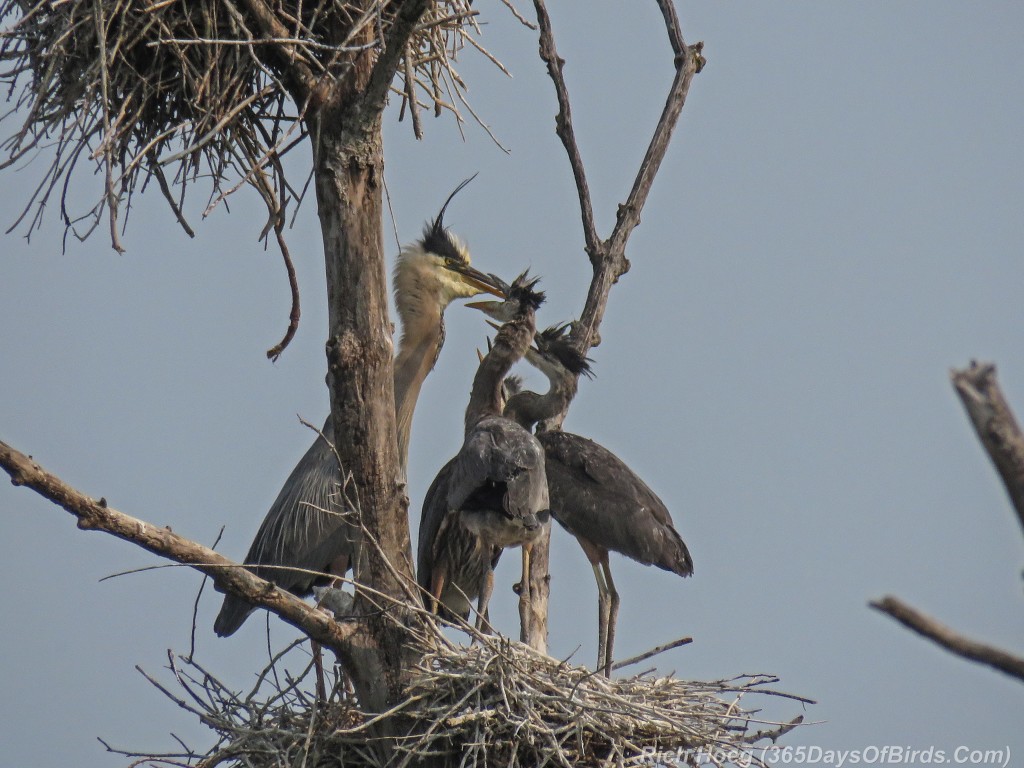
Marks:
<point>441,537</point>
<point>435,509</point>
<point>595,495</point>
<point>305,530</point>
<point>499,452</point>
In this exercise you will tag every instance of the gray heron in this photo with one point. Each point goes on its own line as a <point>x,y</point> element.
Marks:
<point>307,537</point>
<point>494,493</point>
<point>594,495</point>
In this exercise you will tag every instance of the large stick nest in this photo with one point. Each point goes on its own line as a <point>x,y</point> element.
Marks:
<point>496,702</point>
<point>179,90</point>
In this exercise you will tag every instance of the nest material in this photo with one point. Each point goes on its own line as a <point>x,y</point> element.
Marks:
<point>179,91</point>
<point>496,702</point>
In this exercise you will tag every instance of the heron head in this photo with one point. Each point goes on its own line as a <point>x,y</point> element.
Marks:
<point>552,351</point>
<point>436,268</point>
<point>521,296</point>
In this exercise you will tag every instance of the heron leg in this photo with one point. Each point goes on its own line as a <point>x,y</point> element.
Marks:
<point>437,579</point>
<point>337,569</point>
<point>603,606</point>
<point>526,597</point>
<point>613,614</point>
<point>598,557</point>
<point>486,588</point>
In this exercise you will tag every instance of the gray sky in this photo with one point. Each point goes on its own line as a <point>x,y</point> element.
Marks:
<point>838,222</point>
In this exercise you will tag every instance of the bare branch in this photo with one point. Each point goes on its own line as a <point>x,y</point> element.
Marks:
<point>651,653</point>
<point>293,318</point>
<point>564,127</point>
<point>226,574</point>
<point>949,639</point>
<point>608,257</point>
<point>995,425</point>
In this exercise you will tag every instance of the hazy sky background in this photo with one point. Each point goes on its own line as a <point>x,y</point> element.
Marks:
<point>838,222</point>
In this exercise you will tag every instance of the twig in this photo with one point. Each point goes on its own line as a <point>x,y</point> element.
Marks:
<point>564,127</point>
<point>949,639</point>
<point>653,652</point>
<point>293,283</point>
<point>195,605</point>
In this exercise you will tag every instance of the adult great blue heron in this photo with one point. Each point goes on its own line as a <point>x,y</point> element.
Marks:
<point>307,537</point>
<point>594,495</point>
<point>494,493</point>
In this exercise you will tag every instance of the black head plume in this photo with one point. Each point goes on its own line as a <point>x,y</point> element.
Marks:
<point>437,239</point>
<point>553,341</point>
<point>512,385</point>
<point>524,290</point>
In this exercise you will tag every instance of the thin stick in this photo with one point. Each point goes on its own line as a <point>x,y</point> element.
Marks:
<point>293,284</point>
<point>653,652</point>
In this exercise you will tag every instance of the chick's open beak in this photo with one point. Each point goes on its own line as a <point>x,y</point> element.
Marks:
<point>489,308</point>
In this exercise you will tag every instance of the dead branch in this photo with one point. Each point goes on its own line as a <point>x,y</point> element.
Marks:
<point>227,575</point>
<point>995,425</point>
<point>657,650</point>
<point>299,75</point>
<point>564,126</point>
<point>293,284</point>
<point>949,639</point>
<point>607,257</point>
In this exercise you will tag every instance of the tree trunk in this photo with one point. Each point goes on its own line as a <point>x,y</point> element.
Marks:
<point>348,172</point>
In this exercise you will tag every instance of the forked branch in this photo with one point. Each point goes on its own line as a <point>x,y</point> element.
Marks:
<point>607,257</point>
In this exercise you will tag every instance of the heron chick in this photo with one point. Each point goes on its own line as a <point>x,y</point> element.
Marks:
<point>594,495</point>
<point>493,494</point>
<point>309,536</point>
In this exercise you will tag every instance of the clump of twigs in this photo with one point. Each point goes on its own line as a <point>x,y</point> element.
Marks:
<point>179,92</point>
<point>494,702</point>
<point>111,95</point>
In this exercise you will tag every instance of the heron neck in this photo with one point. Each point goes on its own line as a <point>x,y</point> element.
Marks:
<point>529,408</point>
<point>510,344</point>
<point>417,353</point>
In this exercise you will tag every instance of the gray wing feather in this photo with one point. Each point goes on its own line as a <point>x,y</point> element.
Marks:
<point>442,538</point>
<point>500,451</point>
<point>595,495</point>
<point>435,508</point>
<point>306,529</point>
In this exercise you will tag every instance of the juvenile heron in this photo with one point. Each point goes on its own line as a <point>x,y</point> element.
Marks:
<point>594,495</point>
<point>464,555</point>
<point>494,493</point>
<point>307,537</point>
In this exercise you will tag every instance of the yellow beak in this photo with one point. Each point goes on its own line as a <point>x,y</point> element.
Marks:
<point>477,279</point>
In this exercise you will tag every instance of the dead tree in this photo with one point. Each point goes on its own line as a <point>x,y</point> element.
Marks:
<point>186,94</point>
